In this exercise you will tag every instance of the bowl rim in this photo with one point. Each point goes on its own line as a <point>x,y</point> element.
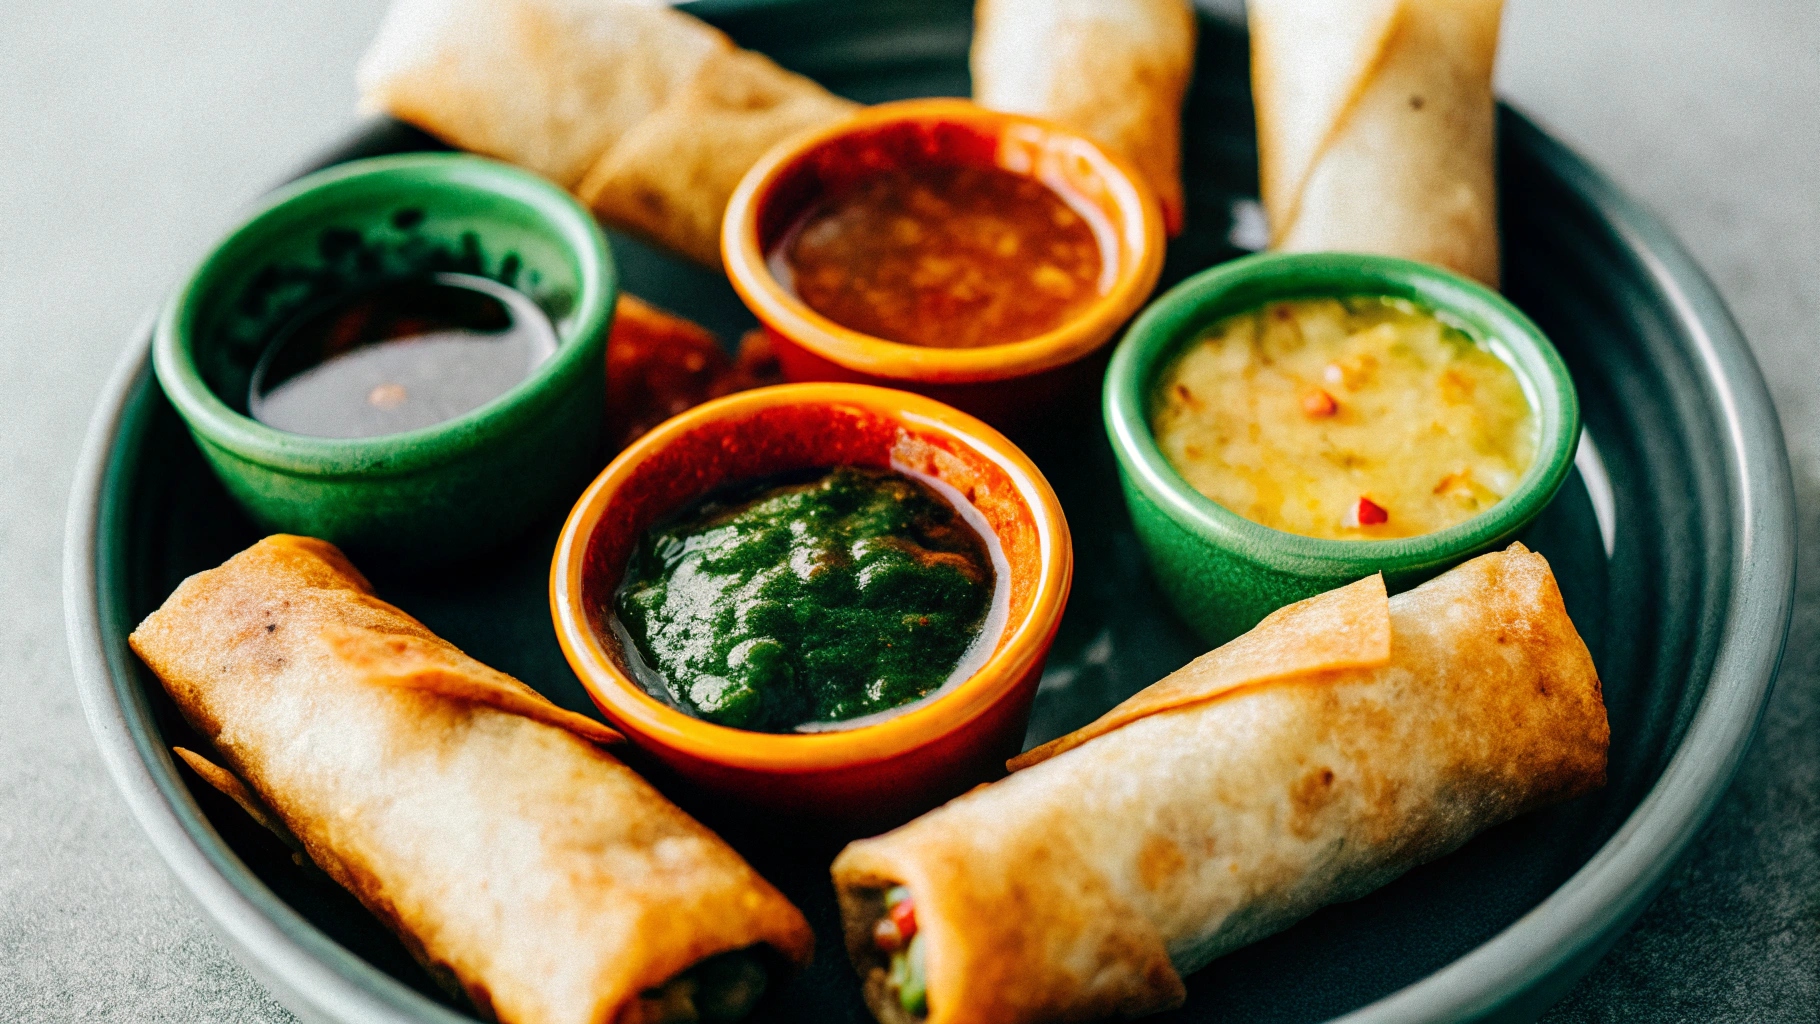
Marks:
<point>627,704</point>
<point>1143,237</point>
<point>213,420</point>
<point>1172,321</point>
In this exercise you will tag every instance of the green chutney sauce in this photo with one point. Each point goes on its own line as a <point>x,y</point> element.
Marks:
<point>810,600</point>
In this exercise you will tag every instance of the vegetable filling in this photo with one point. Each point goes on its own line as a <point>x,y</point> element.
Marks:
<point>896,937</point>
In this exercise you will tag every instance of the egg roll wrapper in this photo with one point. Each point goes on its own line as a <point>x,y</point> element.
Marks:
<point>1089,883</point>
<point>225,783</point>
<point>1114,70</point>
<point>1344,628</point>
<point>1376,128</point>
<point>669,179</point>
<point>509,852</point>
<point>549,85</point>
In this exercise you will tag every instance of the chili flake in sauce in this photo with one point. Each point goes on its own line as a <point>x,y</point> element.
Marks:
<point>944,257</point>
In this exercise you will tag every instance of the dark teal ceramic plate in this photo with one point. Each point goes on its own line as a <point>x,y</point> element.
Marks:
<point>1673,542</point>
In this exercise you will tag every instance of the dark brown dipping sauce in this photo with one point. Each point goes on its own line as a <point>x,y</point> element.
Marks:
<point>945,257</point>
<point>399,356</point>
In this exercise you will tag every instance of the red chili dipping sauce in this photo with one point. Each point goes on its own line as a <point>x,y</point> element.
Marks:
<point>945,257</point>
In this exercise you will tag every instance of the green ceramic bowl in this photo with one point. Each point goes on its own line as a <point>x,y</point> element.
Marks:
<point>1223,572</point>
<point>445,491</point>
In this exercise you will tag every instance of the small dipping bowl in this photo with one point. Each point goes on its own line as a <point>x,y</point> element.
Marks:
<point>1010,384</point>
<point>1223,572</point>
<point>445,491</point>
<point>890,769</point>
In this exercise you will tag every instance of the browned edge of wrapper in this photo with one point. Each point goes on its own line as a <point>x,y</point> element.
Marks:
<point>1344,628</point>
<point>426,662</point>
<point>1117,71</point>
<point>229,785</point>
<point>413,663</point>
<point>1283,174</point>
<point>670,177</point>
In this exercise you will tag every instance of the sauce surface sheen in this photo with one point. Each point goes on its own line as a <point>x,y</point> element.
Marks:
<point>788,603</point>
<point>944,257</point>
<point>1355,419</point>
<point>400,355</point>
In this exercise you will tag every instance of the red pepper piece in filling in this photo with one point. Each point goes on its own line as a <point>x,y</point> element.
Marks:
<point>1318,404</point>
<point>886,937</point>
<point>1369,513</point>
<point>903,915</point>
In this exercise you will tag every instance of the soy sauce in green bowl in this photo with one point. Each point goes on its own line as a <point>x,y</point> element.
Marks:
<point>399,355</point>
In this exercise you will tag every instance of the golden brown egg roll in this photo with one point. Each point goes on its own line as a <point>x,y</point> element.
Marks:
<point>1376,126</point>
<point>669,179</point>
<point>1115,70</point>
<point>649,115</point>
<point>1344,740</point>
<point>519,863</point>
<point>546,84</point>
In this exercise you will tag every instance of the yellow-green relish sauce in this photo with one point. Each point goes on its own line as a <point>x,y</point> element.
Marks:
<point>1356,419</point>
<point>787,603</point>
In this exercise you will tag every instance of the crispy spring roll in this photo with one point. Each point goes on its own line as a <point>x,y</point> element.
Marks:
<point>649,115</point>
<point>670,178</point>
<point>1116,70</point>
<point>1376,127</point>
<point>1343,741</point>
<point>519,863</point>
<point>546,84</point>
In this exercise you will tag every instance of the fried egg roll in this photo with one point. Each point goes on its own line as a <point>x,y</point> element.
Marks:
<point>671,176</point>
<point>1376,126</point>
<point>1344,740</point>
<point>649,115</point>
<point>549,85</point>
<point>1115,70</point>
<point>520,864</point>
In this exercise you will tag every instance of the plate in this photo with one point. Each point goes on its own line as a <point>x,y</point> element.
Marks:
<point>1673,543</point>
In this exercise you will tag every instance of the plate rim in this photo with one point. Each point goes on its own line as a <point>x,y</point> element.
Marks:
<point>1513,975</point>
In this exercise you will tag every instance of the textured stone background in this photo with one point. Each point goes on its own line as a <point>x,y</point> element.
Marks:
<point>131,131</point>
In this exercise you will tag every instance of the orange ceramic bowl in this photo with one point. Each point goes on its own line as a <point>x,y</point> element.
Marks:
<point>1011,384</point>
<point>885,771</point>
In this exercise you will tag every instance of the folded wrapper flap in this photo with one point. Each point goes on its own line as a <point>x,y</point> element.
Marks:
<point>1376,128</point>
<point>1345,628</point>
<point>1114,70</point>
<point>229,785</point>
<point>545,84</point>
<point>1342,46</point>
<point>670,177</point>
<point>649,115</point>
<point>389,648</point>
<point>433,666</point>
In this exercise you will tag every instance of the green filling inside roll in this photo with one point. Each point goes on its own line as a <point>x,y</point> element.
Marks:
<point>907,978</point>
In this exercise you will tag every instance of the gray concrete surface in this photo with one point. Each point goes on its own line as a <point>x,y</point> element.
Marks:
<point>132,130</point>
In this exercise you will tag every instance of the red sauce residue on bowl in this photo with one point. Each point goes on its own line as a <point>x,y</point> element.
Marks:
<point>944,256</point>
